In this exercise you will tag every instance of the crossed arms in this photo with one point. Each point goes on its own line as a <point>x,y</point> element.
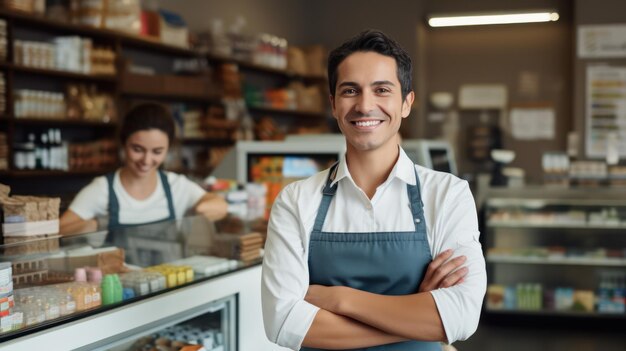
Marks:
<point>350,318</point>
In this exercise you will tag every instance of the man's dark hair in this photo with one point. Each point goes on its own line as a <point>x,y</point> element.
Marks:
<point>148,116</point>
<point>374,41</point>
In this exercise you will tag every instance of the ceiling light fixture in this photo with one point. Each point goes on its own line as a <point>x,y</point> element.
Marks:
<point>492,18</point>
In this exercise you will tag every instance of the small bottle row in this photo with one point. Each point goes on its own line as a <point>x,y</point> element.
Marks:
<point>44,151</point>
<point>90,289</point>
<point>40,304</point>
<point>74,54</point>
<point>48,151</point>
<point>79,102</point>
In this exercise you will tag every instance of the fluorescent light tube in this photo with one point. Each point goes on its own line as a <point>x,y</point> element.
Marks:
<point>484,19</point>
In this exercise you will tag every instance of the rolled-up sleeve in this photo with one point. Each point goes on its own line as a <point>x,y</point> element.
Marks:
<point>287,316</point>
<point>459,306</point>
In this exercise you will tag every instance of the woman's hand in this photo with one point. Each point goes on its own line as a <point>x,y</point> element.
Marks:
<point>71,223</point>
<point>212,206</point>
<point>444,272</point>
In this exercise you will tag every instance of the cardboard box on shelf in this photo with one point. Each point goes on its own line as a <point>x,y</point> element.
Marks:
<point>109,260</point>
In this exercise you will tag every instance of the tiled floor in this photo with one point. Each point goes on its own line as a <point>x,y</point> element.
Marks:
<point>490,337</point>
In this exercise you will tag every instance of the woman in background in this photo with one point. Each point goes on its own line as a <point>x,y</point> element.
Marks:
<point>139,192</point>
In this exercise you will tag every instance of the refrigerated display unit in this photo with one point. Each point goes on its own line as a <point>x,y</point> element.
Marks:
<point>178,283</point>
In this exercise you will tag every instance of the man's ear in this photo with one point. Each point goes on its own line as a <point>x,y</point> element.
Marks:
<point>407,103</point>
<point>331,98</point>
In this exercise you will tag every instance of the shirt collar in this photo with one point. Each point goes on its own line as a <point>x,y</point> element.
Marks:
<point>404,169</point>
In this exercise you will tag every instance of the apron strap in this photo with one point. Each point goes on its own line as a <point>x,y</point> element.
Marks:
<point>327,196</point>
<point>415,198</point>
<point>114,205</point>
<point>168,194</point>
<point>414,192</point>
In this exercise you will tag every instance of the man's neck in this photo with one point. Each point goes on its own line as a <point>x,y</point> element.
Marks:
<point>369,169</point>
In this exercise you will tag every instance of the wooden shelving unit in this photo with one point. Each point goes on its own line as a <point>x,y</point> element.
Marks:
<point>207,141</point>
<point>281,111</point>
<point>63,123</point>
<point>198,90</point>
<point>171,97</point>
<point>69,75</point>
<point>266,69</point>
<point>51,173</point>
<point>96,33</point>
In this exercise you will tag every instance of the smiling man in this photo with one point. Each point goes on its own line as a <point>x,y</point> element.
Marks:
<point>376,252</point>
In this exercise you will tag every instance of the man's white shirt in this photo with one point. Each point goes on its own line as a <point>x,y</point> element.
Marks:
<point>451,223</point>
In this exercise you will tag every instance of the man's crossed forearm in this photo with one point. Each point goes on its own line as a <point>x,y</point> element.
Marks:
<point>351,318</point>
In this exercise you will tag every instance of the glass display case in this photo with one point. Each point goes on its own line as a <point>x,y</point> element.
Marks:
<point>130,287</point>
<point>556,253</point>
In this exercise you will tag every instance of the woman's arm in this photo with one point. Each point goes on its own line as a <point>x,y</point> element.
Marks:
<point>212,206</point>
<point>71,223</point>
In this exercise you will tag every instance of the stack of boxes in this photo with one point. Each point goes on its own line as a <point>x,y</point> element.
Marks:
<point>246,247</point>
<point>26,218</point>
<point>123,15</point>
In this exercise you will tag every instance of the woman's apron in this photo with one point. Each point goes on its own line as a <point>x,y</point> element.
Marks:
<point>386,263</point>
<point>157,230</point>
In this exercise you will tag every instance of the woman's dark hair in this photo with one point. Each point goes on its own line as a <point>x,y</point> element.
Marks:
<point>148,116</point>
<point>375,41</point>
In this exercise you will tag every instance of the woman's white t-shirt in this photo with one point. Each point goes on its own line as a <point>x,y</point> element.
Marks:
<point>93,200</point>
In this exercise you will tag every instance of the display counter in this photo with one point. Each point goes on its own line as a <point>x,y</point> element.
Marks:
<point>125,289</point>
<point>555,255</point>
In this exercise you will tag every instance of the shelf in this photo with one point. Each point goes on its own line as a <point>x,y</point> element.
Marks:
<point>541,203</point>
<point>154,44</point>
<point>523,224</point>
<point>63,122</point>
<point>135,40</point>
<point>171,97</point>
<point>266,69</point>
<point>272,110</point>
<point>55,173</point>
<point>207,141</point>
<point>573,261</point>
<point>565,314</point>
<point>169,87</point>
<point>541,196</point>
<point>59,73</point>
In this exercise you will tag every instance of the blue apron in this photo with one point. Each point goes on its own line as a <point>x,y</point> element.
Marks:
<point>160,230</point>
<point>114,205</point>
<point>387,263</point>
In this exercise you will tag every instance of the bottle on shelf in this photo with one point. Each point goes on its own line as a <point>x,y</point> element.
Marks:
<point>45,151</point>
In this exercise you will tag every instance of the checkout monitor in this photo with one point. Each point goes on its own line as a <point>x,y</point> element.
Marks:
<point>433,154</point>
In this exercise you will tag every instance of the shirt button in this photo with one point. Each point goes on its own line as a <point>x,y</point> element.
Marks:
<point>369,207</point>
<point>417,220</point>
